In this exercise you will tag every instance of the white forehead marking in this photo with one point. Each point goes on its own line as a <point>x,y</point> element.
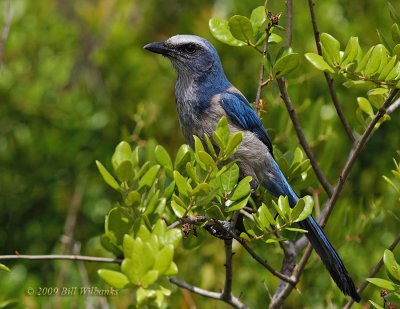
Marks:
<point>186,39</point>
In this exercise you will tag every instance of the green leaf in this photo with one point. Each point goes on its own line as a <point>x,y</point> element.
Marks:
<point>124,170</point>
<point>4,268</point>
<point>362,63</point>
<point>220,30</point>
<point>178,210</point>
<point>393,13</point>
<point>114,278</point>
<point>375,305</point>
<point>230,178</point>
<point>283,204</point>
<point>214,212</point>
<point>294,229</point>
<point>198,145</point>
<point>375,60</point>
<point>285,65</point>
<point>382,283</point>
<point>172,270</point>
<point>118,223</point>
<point>201,189</point>
<point>169,190</point>
<point>393,298</point>
<point>307,210</point>
<point>391,265</point>
<point>182,157</point>
<point>149,278</point>
<point>297,210</point>
<point>274,240</point>
<point>394,72</point>
<point>388,67</point>
<point>184,187</point>
<point>257,19</point>
<point>233,144</point>
<point>122,153</point>
<point>110,180</point>
<point>206,159</point>
<point>332,47</point>
<point>242,189</point>
<point>384,40</point>
<point>241,28</point>
<point>163,259</point>
<point>365,106</point>
<point>274,38</point>
<point>238,204</point>
<point>318,62</point>
<point>142,295</point>
<point>284,51</point>
<point>350,53</point>
<point>162,157</point>
<point>149,177</point>
<point>265,216</point>
<point>396,50</point>
<point>191,171</point>
<point>222,133</point>
<point>210,145</point>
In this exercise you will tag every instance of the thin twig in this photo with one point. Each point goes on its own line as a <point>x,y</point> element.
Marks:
<point>6,29</point>
<point>234,302</point>
<point>372,273</point>
<point>296,124</point>
<point>262,262</point>
<point>61,257</point>
<point>328,78</point>
<point>227,293</point>
<point>260,82</point>
<point>323,218</point>
<point>190,220</point>
<point>393,107</point>
<point>289,22</point>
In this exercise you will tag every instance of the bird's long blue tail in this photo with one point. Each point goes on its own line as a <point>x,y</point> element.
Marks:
<point>278,185</point>
<point>329,257</point>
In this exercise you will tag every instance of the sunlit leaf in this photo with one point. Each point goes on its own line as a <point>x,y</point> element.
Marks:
<point>220,30</point>
<point>318,62</point>
<point>110,180</point>
<point>285,65</point>
<point>241,28</point>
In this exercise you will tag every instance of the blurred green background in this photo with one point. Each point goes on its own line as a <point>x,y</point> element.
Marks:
<point>75,81</point>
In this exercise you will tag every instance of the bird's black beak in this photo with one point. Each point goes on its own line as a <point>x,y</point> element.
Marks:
<point>158,47</point>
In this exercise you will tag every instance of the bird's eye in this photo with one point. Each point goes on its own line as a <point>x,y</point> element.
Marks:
<point>188,48</point>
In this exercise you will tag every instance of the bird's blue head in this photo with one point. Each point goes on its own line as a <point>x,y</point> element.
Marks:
<point>190,56</point>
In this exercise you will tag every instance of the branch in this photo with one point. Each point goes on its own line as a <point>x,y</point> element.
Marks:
<point>393,107</point>
<point>260,82</point>
<point>227,293</point>
<point>372,273</point>
<point>233,301</point>
<point>328,78</point>
<point>190,220</point>
<point>323,218</point>
<point>262,262</point>
<point>296,124</point>
<point>61,257</point>
<point>6,29</point>
<point>289,22</point>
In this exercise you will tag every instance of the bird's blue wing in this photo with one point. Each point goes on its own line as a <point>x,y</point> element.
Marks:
<point>242,114</point>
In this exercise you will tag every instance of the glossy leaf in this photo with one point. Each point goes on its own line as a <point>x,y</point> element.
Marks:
<point>375,305</point>
<point>201,189</point>
<point>375,60</point>
<point>149,278</point>
<point>365,106</point>
<point>394,72</point>
<point>388,67</point>
<point>350,53</point>
<point>179,211</point>
<point>307,210</point>
<point>124,170</point>
<point>214,212</point>
<point>230,178</point>
<point>220,30</point>
<point>257,19</point>
<point>182,157</point>
<point>285,65</point>
<point>162,157</point>
<point>391,265</point>
<point>210,145</point>
<point>233,144</point>
<point>110,180</point>
<point>295,229</point>
<point>241,28</point>
<point>238,204</point>
<point>363,62</point>
<point>114,278</point>
<point>149,177</point>
<point>332,46</point>
<point>393,298</point>
<point>206,159</point>
<point>265,216</point>
<point>122,153</point>
<point>382,283</point>
<point>182,184</point>
<point>172,270</point>
<point>163,259</point>
<point>222,131</point>
<point>318,62</point>
<point>396,50</point>
<point>242,189</point>
<point>4,268</point>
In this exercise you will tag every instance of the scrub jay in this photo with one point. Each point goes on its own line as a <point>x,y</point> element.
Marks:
<point>203,95</point>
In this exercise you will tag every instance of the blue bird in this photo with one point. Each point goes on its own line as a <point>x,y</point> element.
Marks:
<point>203,95</point>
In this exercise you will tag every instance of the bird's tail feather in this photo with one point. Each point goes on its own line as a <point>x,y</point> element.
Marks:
<point>329,257</point>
